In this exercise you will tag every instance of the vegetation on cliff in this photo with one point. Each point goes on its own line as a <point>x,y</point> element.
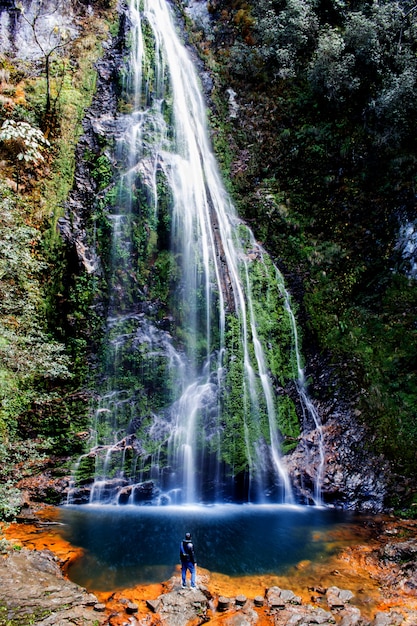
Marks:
<point>42,343</point>
<point>315,125</point>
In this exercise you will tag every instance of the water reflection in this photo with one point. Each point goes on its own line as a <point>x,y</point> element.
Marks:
<point>130,545</point>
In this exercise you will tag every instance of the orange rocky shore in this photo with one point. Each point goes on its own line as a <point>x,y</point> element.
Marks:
<point>369,581</point>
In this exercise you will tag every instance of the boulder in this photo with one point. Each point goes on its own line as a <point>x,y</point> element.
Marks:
<point>34,590</point>
<point>275,601</point>
<point>153,605</point>
<point>351,616</point>
<point>223,604</point>
<point>303,616</point>
<point>388,619</point>
<point>132,608</point>
<point>180,606</point>
<point>278,598</point>
<point>289,597</point>
<point>337,598</point>
<point>401,551</point>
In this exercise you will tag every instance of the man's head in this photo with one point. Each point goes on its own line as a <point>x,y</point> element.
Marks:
<point>188,536</point>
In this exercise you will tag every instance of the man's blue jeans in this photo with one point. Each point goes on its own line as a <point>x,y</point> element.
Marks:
<point>187,565</point>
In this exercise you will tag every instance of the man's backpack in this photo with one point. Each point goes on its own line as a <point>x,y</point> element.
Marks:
<point>184,554</point>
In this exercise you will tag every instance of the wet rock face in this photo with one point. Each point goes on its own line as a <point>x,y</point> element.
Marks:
<point>352,477</point>
<point>402,552</point>
<point>100,118</point>
<point>180,606</point>
<point>43,488</point>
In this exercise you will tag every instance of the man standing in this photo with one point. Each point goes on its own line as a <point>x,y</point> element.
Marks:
<point>187,559</point>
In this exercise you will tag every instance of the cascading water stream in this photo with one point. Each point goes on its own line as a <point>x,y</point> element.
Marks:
<point>189,410</point>
<point>306,403</point>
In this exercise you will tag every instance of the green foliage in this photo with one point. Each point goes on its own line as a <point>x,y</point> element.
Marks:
<point>331,68</point>
<point>288,423</point>
<point>382,347</point>
<point>246,425</point>
<point>10,501</point>
<point>273,322</point>
<point>84,471</point>
<point>18,459</point>
<point>51,31</point>
<point>164,274</point>
<point>45,311</point>
<point>408,512</point>
<point>27,141</point>
<point>326,102</point>
<point>29,356</point>
<point>4,547</point>
<point>28,619</point>
<point>234,438</point>
<point>101,168</point>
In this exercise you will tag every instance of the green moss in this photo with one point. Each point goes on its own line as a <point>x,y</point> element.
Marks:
<point>85,470</point>
<point>273,321</point>
<point>288,423</point>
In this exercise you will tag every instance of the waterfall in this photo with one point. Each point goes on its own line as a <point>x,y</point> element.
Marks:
<point>309,410</point>
<point>201,339</point>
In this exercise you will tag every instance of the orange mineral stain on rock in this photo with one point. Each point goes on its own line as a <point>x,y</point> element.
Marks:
<point>42,534</point>
<point>117,603</point>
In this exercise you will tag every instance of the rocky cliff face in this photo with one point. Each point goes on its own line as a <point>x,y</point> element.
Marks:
<point>99,122</point>
<point>30,30</point>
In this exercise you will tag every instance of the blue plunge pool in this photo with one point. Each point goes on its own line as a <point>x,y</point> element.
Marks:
<point>124,546</point>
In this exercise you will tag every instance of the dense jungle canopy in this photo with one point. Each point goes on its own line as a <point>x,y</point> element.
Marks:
<point>313,113</point>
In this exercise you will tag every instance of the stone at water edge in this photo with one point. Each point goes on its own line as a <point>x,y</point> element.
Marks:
<point>132,608</point>
<point>351,616</point>
<point>338,598</point>
<point>153,605</point>
<point>289,597</point>
<point>275,601</point>
<point>223,604</point>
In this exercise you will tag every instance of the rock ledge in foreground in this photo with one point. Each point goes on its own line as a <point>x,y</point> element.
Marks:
<point>32,587</point>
